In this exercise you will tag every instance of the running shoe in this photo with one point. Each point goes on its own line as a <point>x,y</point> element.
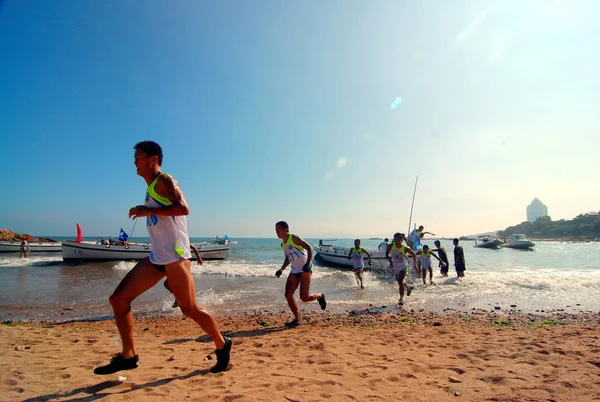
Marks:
<point>322,301</point>
<point>118,363</point>
<point>223,356</point>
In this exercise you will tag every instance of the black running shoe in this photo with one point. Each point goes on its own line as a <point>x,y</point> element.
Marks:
<point>409,290</point>
<point>292,324</point>
<point>322,301</point>
<point>175,304</point>
<point>223,356</point>
<point>118,363</point>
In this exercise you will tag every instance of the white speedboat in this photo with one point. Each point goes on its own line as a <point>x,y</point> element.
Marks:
<point>96,251</point>
<point>338,255</point>
<point>518,241</point>
<point>488,242</point>
<point>40,247</point>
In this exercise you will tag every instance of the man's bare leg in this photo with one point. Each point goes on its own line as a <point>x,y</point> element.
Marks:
<point>141,278</point>
<point>183,288</point>
<point>291,285</point>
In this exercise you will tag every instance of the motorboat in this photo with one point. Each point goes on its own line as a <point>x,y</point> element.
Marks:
<point>518,241</point>
<point>124,251</point>
<point>488,242</point>
<point>338,255</point>
<point>40,247</point>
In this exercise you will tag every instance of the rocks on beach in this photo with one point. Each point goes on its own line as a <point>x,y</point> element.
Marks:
<point>9,235</point>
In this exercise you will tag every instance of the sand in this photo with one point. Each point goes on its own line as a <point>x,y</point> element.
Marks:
<point>388,356</point>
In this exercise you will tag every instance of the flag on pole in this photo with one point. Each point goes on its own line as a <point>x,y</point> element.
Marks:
<point>123,236</point>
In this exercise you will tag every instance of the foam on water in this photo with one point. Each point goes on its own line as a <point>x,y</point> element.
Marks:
<point>32,260</point>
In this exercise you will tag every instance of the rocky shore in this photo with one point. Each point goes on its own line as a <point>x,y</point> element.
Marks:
<point>9,235</point>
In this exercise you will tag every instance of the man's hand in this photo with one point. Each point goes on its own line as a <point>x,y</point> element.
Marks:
<point>278,273</point>
<point>139,211</point>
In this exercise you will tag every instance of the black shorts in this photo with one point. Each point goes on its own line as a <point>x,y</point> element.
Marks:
<point>159,267</point>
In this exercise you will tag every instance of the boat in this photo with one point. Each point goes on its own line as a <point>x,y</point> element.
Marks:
<point>39,247</point>
<point>488,242</point>
<point>123,251</point>
<point>338,255</point>
<point>519,242</point>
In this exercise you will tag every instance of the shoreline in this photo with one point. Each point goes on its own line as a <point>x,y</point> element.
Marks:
<point>365,355</point>
<point>510,317</point>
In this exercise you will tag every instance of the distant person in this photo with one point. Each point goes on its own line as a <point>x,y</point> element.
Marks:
<point>24,249</point>
<point>416,236</point>
<point>165,209</point>
<point>396,255</point>
<point>459,259</point>
<point>110,240</point>
<point>443,258</point>
<point>200,262</point>
<point>356,255</point>
<point>299,254</point>
<point>383,245</point>
<point>426,255</point>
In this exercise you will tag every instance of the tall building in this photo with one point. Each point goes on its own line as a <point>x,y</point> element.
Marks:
<point>536,210</point>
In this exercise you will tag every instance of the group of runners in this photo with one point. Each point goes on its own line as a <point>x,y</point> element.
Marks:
<point>165,210</point>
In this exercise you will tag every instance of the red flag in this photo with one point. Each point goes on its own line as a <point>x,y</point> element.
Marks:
<point>79,238</point>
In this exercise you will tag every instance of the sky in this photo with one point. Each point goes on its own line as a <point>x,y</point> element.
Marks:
<point>321,114</point>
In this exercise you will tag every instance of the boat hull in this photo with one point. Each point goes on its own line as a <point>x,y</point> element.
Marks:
<point>338,256</point>
<point>87,251</point>
<point>15,247</point>
<point>492,244</point>
<point>524,245</point>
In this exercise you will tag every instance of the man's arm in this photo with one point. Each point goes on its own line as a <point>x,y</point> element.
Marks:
<point>286,262</point>
<point>300,241</point>
<point>167,187</point>
<point>195,250</point>
<point>368,254</point>
<point>414,258</point>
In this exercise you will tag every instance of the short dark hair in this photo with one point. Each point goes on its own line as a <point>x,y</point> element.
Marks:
<point>455,240</point>
<point>282,224</point>
<point>150,148</point>
<point>399,234</point>
<point>386,239</point>
<point>437,242</point>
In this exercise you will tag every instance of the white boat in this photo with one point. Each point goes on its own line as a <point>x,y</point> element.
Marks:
<point>338,255</point>
<point>488,242</point>
<point>96,251</point>
<point>518,241</point>
<point>40,247</point>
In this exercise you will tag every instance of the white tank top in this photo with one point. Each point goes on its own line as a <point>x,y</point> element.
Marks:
<point>169,240</point>
<point>357,258</point>
<point>398,258</point>
<point>296,255</point>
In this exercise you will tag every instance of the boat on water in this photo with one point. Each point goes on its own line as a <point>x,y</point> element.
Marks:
<point>338,255</point>
<point>488,242</point>
<point>123,251</point>
<point>519,242</point>
<point>39,247</point>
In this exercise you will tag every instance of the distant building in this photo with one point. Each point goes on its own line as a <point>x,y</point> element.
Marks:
<point>536,210</point>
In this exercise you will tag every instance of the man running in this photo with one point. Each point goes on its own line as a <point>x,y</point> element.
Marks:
<point>165,209</point>
<point>396,255</point>
<point>356,255</point>
<point>298,254</point>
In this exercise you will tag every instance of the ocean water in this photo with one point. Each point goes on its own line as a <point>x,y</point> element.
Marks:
<point>554,276</point>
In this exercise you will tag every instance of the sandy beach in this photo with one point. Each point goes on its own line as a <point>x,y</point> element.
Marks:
<point>353,356</point>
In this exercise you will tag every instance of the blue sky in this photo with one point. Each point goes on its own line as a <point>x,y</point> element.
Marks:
<point>318,113</point>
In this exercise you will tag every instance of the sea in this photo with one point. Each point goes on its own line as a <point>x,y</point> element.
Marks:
<point>554,276</point>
